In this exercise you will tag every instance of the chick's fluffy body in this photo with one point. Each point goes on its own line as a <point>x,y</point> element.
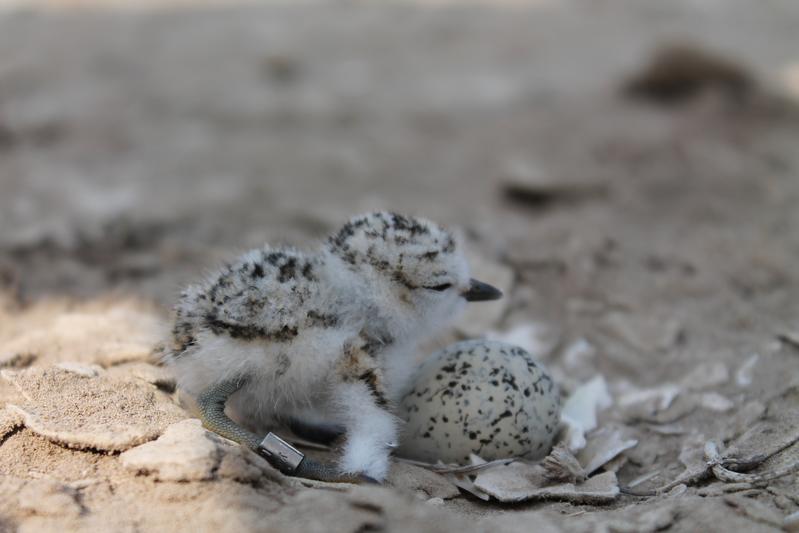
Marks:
<point>324,336</point>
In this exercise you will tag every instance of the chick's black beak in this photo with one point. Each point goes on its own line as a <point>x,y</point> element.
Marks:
<point>481,292</point>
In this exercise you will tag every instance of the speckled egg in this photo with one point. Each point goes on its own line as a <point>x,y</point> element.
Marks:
<point>484,397</point>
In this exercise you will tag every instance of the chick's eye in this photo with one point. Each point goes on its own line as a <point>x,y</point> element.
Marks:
<point>439,288</point>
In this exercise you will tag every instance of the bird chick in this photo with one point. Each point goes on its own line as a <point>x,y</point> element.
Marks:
<point>324,337</point>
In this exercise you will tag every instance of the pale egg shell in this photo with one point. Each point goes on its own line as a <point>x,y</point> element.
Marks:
<point>484,397</point>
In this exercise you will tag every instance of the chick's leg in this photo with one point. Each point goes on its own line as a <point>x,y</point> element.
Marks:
<point>371,428</point>
<point>319,432</point>
<point>212,412</point>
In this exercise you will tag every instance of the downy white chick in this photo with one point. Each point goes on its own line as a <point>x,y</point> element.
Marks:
<point>328,336</point>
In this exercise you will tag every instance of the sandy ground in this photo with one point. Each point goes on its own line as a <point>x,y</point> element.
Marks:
<point>140,148</point>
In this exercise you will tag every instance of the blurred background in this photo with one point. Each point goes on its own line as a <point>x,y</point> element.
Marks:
<point>140,142</point>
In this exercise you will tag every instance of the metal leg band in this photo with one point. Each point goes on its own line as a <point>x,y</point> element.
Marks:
<point>280,453</point>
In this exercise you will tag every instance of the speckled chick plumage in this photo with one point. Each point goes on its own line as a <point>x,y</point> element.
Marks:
<point>484,397</point>
<point>324,336</point>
